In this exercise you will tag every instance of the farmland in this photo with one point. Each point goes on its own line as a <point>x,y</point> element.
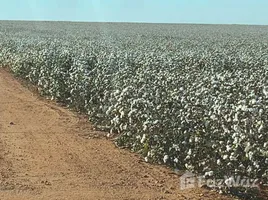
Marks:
<point>192,97</point>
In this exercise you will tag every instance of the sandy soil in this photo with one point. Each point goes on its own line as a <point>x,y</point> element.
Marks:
<point>47,152</point>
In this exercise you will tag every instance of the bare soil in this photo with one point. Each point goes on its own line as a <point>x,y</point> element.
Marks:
<point>49,152</point>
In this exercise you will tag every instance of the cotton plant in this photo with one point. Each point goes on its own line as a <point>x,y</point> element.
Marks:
<point>169,94</point>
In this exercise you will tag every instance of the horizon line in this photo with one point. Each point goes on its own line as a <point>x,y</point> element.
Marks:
<point>131,22</point>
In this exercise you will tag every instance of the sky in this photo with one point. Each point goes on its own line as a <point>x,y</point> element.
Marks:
<point>152,11</point>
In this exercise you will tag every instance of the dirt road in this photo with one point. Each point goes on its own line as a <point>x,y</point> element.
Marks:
<point>46,153</point>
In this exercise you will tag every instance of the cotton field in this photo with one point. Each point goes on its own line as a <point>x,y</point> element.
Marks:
<point>192,97</point>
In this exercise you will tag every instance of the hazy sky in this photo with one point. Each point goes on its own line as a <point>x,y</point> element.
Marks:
<point>162,11</point>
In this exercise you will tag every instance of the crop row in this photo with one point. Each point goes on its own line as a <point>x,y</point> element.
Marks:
<point>193,97</point>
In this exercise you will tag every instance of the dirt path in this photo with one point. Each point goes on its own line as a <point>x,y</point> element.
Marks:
<point>43,156</point>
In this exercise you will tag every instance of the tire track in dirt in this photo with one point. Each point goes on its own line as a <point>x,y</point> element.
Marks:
<point>43,156</point>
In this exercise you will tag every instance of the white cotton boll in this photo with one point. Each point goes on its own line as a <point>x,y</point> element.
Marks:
<point>256,165</point>
<point>214,146</point>
<point>236,117</point>
<point>253,101</point>
<point>125,127</point>
<point>244,108</point>
<point>228,148</point>
<point>187,166</point>
<point>143,138</point>
<point>145,127</point>
<point>122,114</point>
<point>165,159</point>
<point>176,160</point>
<point>237,128</point>
<point>210,173</point>
<point>187,157</point>
<point>260,128</point>
<point>213,117</point>
<point>265,91</point>
<point>232,157</point>
<point>260,111</point>
<point>249,169</point>
<point>248,147</point>
<point>241,166</point>
<point>189,152</point>
<point>218,162</point>
<point>155,122</point>
<point>138,137</point>
<point>250,155</point>
<point>238,108</point>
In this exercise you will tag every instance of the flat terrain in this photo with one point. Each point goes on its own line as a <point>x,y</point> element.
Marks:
<point>47,152</point>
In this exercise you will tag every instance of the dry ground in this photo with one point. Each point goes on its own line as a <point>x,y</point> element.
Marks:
<point>48,152</point>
